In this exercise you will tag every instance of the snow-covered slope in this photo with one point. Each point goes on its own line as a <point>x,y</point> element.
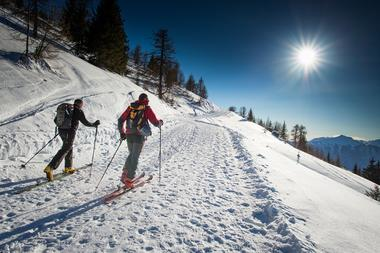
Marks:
<point>227,186</point>
<point>349,150</point>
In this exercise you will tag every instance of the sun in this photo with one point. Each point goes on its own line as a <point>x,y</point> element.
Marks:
<point>307,57</point>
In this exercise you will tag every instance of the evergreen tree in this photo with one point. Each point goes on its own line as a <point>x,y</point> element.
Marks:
<point>243,111</point>
<point>145,61</point>
<point>163,50</point>
<point>268,125</point>
<point>295,134</point>
<point>250,115</point>
<point>190,84</point>
<point>232,108</point>
<point>181,78</point>
<point>28,17</point>
<point>12,3</point>
<point>19,4</point>
<point>36,11</point>
<point>261,122</point>
<point>337,161</point>
<point>202,89</point>
<point>356,169</point>
<point>372,172</point>
<point>67,20</point>
<point>328,158</point>
<point>277,126</point>
<point>374,193</point>
<point>137,56</point>
<point>204,92</point>
<point>138,61</point>
<point>171,75</point>
<point>154,66</point>
<point>197,88</point>
<point>107,39</point>
<point>302,141</point>
<point>284,132</point>
<point>74,23</point>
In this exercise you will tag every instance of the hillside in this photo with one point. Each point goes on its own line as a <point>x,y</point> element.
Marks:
<point>227,185</point>
<point>349,150</point>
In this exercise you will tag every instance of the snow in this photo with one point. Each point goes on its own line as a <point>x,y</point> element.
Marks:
<point>226,186</point>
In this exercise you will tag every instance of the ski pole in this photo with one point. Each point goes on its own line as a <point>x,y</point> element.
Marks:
<point>23,165</point>
<point>159,161</point>
<point>93,151</point>
<point>121,141</point>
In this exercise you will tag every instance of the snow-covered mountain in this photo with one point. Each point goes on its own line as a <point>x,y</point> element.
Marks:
<point>349,150</point>
<point>227,185</point>
<point>374,143</point>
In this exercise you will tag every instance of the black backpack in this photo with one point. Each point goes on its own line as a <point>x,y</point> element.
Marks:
<point>64,116</point>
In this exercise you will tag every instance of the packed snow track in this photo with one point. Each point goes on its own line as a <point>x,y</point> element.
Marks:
<point>210,198</point>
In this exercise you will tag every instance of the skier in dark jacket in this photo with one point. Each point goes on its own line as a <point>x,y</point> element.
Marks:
<point>135,117</point>
<point>68,136</point>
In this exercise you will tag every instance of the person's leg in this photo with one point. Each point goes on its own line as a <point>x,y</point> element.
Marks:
<point>130,145</point>
<point>136,151</point>
<point>69,159</point>
<point>69,155</point>
<point>124,175</point>
<point>137,145</point>
<point>67,137</point>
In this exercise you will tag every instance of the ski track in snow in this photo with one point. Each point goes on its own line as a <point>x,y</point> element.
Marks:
<point>212,197</point>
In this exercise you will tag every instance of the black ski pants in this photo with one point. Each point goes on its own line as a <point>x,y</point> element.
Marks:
<point>66,150</point>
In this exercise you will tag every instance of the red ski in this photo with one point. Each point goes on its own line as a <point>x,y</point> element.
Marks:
<point>138,182</point>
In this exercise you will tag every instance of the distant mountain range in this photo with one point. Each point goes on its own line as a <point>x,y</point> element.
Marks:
<point>350,151</point>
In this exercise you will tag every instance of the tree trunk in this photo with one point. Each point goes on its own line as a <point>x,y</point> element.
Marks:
<point>27,32</point>
<point>161,69</point>
<point>35,18</point>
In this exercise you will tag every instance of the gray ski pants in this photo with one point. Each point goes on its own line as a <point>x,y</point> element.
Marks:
<point>135,144</point>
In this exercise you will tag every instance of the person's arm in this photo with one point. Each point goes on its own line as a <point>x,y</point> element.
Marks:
<point>121,120</point>
<point>152,117</point>
<point>83,119</point>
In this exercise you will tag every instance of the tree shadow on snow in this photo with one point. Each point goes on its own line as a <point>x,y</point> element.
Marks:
<point>27,231</point>
<point>13,57</point>
<point>21,28</point>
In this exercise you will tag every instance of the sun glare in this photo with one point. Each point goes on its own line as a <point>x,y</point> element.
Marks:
<point>306,58</point>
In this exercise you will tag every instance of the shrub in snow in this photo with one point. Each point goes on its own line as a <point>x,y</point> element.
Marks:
<point>374,193</point>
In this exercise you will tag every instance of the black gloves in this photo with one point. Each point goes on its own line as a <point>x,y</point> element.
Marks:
<point>160,123</point>
<point>96,123</point>
<point>123,136</point>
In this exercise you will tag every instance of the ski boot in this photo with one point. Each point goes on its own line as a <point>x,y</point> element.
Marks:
<point>49,173</point>
<point>69,170</point>
<point>128,183</point>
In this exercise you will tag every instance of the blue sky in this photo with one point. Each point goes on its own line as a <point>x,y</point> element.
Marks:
<point>242,49</point>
